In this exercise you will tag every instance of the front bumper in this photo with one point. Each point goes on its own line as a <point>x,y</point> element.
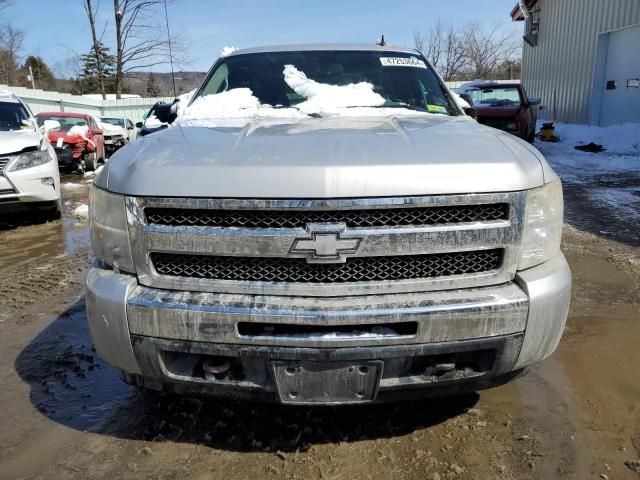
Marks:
<point>160,338</point>
<point>30,185</point>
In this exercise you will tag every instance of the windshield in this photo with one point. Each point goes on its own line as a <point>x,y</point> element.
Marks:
<point>277,79</point>
<point>497,96</point>
<point>118,122</point>
<point>65,122</point>
<point>13,116</point>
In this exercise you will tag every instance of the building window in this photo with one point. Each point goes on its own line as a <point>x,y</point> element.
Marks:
<point>633,83</point>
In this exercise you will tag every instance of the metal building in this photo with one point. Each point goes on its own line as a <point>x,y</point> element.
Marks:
<point>582,57</point>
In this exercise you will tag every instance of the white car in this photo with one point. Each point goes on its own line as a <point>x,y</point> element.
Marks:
<point>118,131</point>
<point>29,178</point>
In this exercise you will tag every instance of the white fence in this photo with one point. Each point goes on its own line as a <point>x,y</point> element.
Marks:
<point>45,101</point>
<point>132,108</point>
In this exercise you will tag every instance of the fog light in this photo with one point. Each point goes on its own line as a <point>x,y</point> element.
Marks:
<point>47,181</point>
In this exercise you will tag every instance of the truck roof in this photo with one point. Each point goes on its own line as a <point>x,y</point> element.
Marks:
<point>323,46</point>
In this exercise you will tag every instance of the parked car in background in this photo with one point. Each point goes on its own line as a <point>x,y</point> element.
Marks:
<point>504,106</point>
<point>118,131</point>
<point>29,177</point>
<point>158,118</point>
<point>79,143</point>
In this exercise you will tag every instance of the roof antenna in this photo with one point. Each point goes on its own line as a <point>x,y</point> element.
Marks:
<point>173,77</point>
<point>381,41</point>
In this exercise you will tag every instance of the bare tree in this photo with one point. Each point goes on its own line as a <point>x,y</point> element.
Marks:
<point>10,44</point>
<point>97,42</point>
<point>444,48</point>
<point>430,44</point>
<point>139,43</point>
<point>486,50</point>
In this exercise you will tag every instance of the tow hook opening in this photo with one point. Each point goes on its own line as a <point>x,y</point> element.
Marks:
<point>211,368</point>
<point>453,366</point>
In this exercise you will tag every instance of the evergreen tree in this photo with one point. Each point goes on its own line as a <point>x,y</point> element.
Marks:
<point>89,75</point>
<point>42,75</point>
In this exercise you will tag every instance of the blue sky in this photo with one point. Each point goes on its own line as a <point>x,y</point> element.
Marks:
<point>55,28</point>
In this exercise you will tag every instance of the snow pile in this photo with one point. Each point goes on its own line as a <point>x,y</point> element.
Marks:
<point>71,186</point>
<point>231,108</point>
<point>107,127</point>
<point>78,131</point>
<point>618,139</point>
<point>81,211</point>
<point>183,101</point>
<point>153,121</point>
<point>226,51</point>
<point>322,97</point>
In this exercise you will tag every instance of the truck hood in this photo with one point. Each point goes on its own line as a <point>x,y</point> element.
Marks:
<point>325,158</point>
<point>16,141</point>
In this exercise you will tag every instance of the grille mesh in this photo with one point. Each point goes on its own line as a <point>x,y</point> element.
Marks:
<point>297,270</point>
<point>3,163</point>
<point>384,217</point>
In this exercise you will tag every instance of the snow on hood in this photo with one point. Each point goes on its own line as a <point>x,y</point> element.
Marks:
<point>322,97</point>
<point>153,121</point>
<point>78,131</point>
<point>238,106</point>
<point>108,127</point>
<point>232,108</point>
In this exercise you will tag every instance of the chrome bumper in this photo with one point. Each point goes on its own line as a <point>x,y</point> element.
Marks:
<point>135,327</point>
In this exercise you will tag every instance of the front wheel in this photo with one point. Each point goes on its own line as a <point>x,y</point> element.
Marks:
<point>90,161</point>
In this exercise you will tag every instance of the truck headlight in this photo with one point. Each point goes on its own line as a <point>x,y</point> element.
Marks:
<point>542,225</point>
<point>108,228</point>
<point>31,159</point>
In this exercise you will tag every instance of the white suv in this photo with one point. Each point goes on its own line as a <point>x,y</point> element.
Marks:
<point>29,178</point>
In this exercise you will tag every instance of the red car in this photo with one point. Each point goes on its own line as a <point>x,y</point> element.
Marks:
<point>79,142</point>
<point>504,106</point>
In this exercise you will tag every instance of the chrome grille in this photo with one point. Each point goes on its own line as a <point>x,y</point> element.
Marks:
<point>387,217</point>
<point>297,270</point>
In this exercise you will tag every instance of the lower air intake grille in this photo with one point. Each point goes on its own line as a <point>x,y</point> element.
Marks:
<point>297,270</point>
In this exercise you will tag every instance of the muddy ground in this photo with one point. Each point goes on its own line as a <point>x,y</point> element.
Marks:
<point>66,415</point>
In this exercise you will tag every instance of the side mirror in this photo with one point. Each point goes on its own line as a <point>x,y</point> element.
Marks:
<point>471,112</point>
<point>50,126</point>
<point>138,125</point>
<point>534,101</point>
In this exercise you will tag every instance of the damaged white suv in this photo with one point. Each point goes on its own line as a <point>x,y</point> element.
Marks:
<point>29,177</point>
<point>325,225</point>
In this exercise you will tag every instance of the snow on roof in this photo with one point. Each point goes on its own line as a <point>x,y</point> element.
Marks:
<point>226,51</point>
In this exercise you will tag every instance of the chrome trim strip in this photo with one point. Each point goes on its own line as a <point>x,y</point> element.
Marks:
<point>441,316</point>
<point>378,241</point>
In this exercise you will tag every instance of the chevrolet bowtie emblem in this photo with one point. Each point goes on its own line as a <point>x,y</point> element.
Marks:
<point>325,243</point>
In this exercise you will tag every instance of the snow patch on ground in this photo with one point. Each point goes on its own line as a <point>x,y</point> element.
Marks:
<point>81,211</point>
<point>72,186</point>
<point>322,97</point>
<point>610,178</point>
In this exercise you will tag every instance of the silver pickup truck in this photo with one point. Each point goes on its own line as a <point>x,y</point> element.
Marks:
<point>340,232</point>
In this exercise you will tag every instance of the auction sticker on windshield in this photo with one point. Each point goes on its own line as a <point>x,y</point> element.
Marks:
<point>402,62</point>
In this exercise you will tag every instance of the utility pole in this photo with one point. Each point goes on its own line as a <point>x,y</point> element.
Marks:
<point>33,82</point>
